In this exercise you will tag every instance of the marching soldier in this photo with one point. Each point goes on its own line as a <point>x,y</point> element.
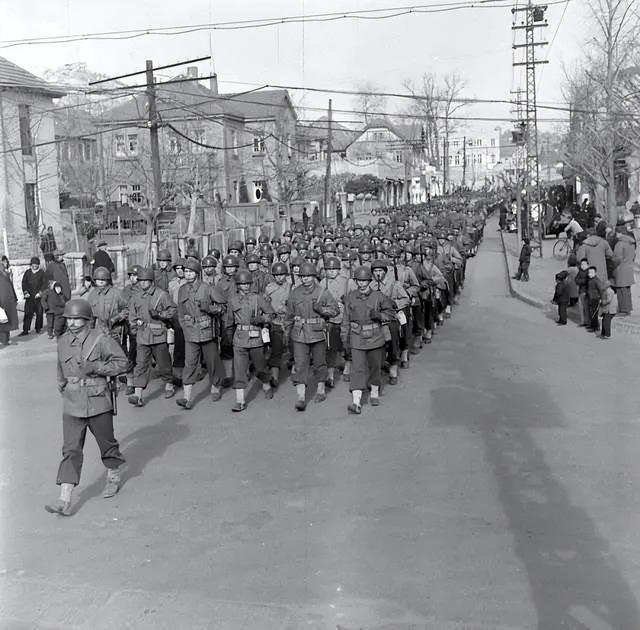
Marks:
<point>337,284</point>
<point>226,288</point>
<point>197,307</point>
<point>277,292</point>
<point>109,307</point>
<point>362,333</point>
<point>162,272</point>
<point>87,359</point>
<point>309,308</point>
<point>246,318</point>
<point>209,265</point>
<point>150,310</point>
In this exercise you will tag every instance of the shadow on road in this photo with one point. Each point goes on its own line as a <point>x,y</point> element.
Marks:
<point>139,448</point>
<point>574,580</point>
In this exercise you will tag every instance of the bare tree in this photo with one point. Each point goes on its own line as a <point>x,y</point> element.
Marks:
<point>603,92</point>
<point>370,103</point>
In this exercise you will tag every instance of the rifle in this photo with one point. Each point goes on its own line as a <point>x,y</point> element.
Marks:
<point>112,387</point>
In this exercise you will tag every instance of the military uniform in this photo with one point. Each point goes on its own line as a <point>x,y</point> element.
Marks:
<point>85,360</point>
<point>110,311</point>
<point>278,296</point>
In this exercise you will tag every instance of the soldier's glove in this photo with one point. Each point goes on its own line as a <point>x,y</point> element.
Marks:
<point>375,315</point>
<point>153,313</point>
<point>256,320</point>
<point>326,312</point>
<point>317,308</point>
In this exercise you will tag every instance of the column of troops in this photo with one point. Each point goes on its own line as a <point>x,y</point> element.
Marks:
<point>323,303</point>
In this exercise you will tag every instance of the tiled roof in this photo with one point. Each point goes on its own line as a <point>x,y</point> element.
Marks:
<point>15,77</point>
<point>341,137</point>
<point>258,104</point>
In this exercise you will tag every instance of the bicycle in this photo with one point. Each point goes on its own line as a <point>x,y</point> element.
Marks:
<point>562,248</point>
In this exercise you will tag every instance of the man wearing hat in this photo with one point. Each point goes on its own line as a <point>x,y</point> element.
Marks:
<point>57,272</point>
<point>33,284</point>
<point>102,259</point>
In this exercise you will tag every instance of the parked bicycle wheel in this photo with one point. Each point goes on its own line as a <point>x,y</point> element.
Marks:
<point>561,248</point>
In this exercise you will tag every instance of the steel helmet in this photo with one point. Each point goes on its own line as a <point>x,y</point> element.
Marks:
<point>365,248</point>
<point>307,269</point>
<point>180,262</point>
<point>209,261</point>
<point>145,273</point>
<point>332,262</point>
<point>101,273</point>
<point>297,261</point>
<point>265,249</point>
<point>244,277</point>
<point>133,271</point>
<point>287,233</point>
<point>362,273</point>
<point>279,269</point>
<point>164,254</point>
<point>263,238</point>
<point>252,258</point>
<point>250,240</point>
<point>395,251</point>
<point>237,245</point>
<point>192,264</point>
<point>285,248</point>
<point>328,248</point>
<point>230,261</point>
<point>78,308</point>
<point>313,254</point>
<point>381,263</point>
<point>215,253</point>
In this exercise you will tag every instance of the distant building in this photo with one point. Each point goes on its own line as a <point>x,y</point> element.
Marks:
<point>28,164</point>
<point>472,157</point>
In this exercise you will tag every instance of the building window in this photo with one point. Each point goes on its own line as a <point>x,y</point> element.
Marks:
<point>123,191</point>
<point>258,189</point>
<point>479,142</point>
<point>398,156</point>
<point>136,194</point>
<point>132,143</point>
<point>456,144</point>
<point>289,147</point>
<point>121,149</point>
<point>30,206</point>
<point>199,136</point>
<point>456,159</point>
<point>24,113</point>
<point>236,191</point>
<point>493,142</point>
<point>258,144</point>
<point>450,160</point>
<point>492,157</point>
<point>234,142</point>
<point>174,145</point>
<point>479,158</point>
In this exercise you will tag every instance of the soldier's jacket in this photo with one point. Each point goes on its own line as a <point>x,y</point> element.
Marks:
<point>407,278</point>
<point>150,330</point>
<point>84,362</point>
<point>259,281</point>
<point>393,289</point>
<point>174,286</point>
<point>162,277</point>
<point>226,286</point>
<point>304,322</point>
<point>278,295</point>
<point>109,306</point>
<point>210,280</point>
<point>198,304</point>
<point>240,310</point>
<point>449,256</point>
<point>338,288</point>
<point>128,291</point>
<point>358,330</point>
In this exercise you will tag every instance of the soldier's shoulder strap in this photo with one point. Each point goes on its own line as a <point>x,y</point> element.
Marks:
<point>97,337</point>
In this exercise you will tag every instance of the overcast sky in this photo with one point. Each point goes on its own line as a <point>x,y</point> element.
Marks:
<point>474,42</point>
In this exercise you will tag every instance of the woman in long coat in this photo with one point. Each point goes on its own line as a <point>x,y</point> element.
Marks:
<point>8,301</point>
<point>596,250</point>
<point>624,253</point>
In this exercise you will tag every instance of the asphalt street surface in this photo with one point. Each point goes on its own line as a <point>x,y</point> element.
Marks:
<point>495,488</point>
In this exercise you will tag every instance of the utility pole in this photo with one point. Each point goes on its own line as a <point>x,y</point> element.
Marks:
<point>534,18</point>
<point>327,177</point>
<point>445,164</point>
<point>155,145</point>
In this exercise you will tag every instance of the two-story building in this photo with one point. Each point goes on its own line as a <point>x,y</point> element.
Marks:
<point>28,165</point>
<point>472,157</point>
<point>239,148</point>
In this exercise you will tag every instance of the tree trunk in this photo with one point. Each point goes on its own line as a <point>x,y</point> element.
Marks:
<point>193,203</point>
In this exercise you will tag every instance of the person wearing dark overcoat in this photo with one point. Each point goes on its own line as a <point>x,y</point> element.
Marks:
<point>33,284</point>
<point>9,303</point>
<point>624,254</point>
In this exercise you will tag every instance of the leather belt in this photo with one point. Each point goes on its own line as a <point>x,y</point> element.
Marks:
<point>246,327</point>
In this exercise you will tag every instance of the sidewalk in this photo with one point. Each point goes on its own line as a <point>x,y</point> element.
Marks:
<point>539,290</point>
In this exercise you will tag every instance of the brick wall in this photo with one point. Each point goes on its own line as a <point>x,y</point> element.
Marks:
<point>21,245</point>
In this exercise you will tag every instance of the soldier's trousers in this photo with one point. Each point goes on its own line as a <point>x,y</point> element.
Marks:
<point>366,367</point>
<point>142,370</point>
<point>334,347</point>
<point>32,306</point>
<point>417,315</point>
<point>303,354</point>
<point>131,351</point>
<point>278,346</point>
<point>242,357</point>
<point>74,432</point>
<point>394,344</point>
<point>179,344</point>
<point>206,351</point>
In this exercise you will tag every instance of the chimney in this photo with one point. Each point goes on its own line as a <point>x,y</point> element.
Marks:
<point>213,84</point>
<point>192,72</point>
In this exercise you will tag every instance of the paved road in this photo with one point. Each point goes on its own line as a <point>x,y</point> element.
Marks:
<point>495,488</point>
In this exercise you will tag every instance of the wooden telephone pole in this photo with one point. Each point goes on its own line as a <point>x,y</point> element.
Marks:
<point>327,177</point>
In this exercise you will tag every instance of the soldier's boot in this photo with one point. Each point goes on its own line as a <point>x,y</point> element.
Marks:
<point>169,390</point>
<point>355,406</point>
<point>216,394</point>
<point>301,390</point>
<point>404,359</point>
<point>393,375</point>
<point>346,372</point>
<point>321,394</point>
<point>62,505</point>
<point>113,483</point>
<point>374,397</point>
<point>136,399</point>
<point>186,402</point>
<point>176,375</point>
<point>275,376</point>
<point>428,336</point>
<point>447,310</point>
<point>268,390</point>
<point>240,405</point>
<point>331,378</point>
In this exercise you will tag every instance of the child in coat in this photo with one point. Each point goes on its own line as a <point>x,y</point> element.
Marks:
<point>561,297</point>
<point>608,309</point>
<point>524,261</point>
<point>53,301</point>
<point>572,270</point>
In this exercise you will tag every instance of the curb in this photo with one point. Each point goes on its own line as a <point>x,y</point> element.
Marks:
<point>616,325</point>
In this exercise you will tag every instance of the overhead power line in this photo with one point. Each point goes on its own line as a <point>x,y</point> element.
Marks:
<point>362,14</point>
